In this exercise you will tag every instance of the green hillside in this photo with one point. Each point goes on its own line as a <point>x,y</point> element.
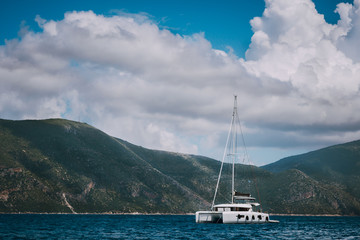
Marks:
<point>58,161</point>
<point>58,165</point>
<point>335,168</point>
<point>342,159</point>
<point>337,165</point>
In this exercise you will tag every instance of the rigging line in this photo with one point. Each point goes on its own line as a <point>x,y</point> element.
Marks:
<point>225,197</point>
<point>248,158</point>
<point>256,186</point>
<point>222,164</point>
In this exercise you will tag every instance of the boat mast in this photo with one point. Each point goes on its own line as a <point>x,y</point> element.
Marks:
<point>234,147</point>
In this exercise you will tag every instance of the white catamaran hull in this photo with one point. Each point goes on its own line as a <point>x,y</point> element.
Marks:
<point>245,217</point>
<point>231,217</point>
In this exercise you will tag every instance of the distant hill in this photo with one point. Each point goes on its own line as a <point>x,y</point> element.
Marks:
<point>342,159</point>
<point>58,165</point>
<point>335,168</point>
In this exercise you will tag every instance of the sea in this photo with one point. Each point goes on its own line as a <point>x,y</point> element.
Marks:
<point>98,226</point>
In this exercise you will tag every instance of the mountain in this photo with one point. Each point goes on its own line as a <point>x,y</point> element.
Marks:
<point>335,169</point>
<point>58,165</point>
<point>53,164</point>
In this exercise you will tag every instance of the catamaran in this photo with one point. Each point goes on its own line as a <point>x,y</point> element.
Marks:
<point>241,208</point>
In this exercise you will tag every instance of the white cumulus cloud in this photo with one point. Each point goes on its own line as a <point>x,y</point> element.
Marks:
<point>292,43</point>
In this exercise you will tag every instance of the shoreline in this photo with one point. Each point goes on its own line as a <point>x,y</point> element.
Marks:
<point>310,215</point>
<point>169,214</point>
<point>104,213</point>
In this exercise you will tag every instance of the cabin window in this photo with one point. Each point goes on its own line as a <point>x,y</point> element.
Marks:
<point>239,209</point>
<point>259,217</point>
<point>247,217</point>
<point>253,217</point>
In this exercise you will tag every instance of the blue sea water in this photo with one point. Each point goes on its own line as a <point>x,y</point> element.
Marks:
<point>63,226</point>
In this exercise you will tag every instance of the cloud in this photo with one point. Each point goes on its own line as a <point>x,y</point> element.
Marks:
<point>297,87</point>
<point>292,43</point>
<point>123,74</point>
<point>347,31</point>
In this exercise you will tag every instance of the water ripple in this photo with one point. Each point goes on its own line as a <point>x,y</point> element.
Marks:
<point>55,226</point>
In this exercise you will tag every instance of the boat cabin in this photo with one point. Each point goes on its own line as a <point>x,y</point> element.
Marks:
<point>242,197</point>
<point>232,208</point>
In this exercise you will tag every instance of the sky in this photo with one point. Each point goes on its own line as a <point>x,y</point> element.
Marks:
<point>162,74</point>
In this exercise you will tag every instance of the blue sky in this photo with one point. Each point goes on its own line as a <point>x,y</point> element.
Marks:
<point>162,74</point>
<point>225,23</point>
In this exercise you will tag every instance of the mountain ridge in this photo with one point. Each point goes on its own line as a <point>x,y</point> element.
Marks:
<point>338,164</point>
<point>57,165</point>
